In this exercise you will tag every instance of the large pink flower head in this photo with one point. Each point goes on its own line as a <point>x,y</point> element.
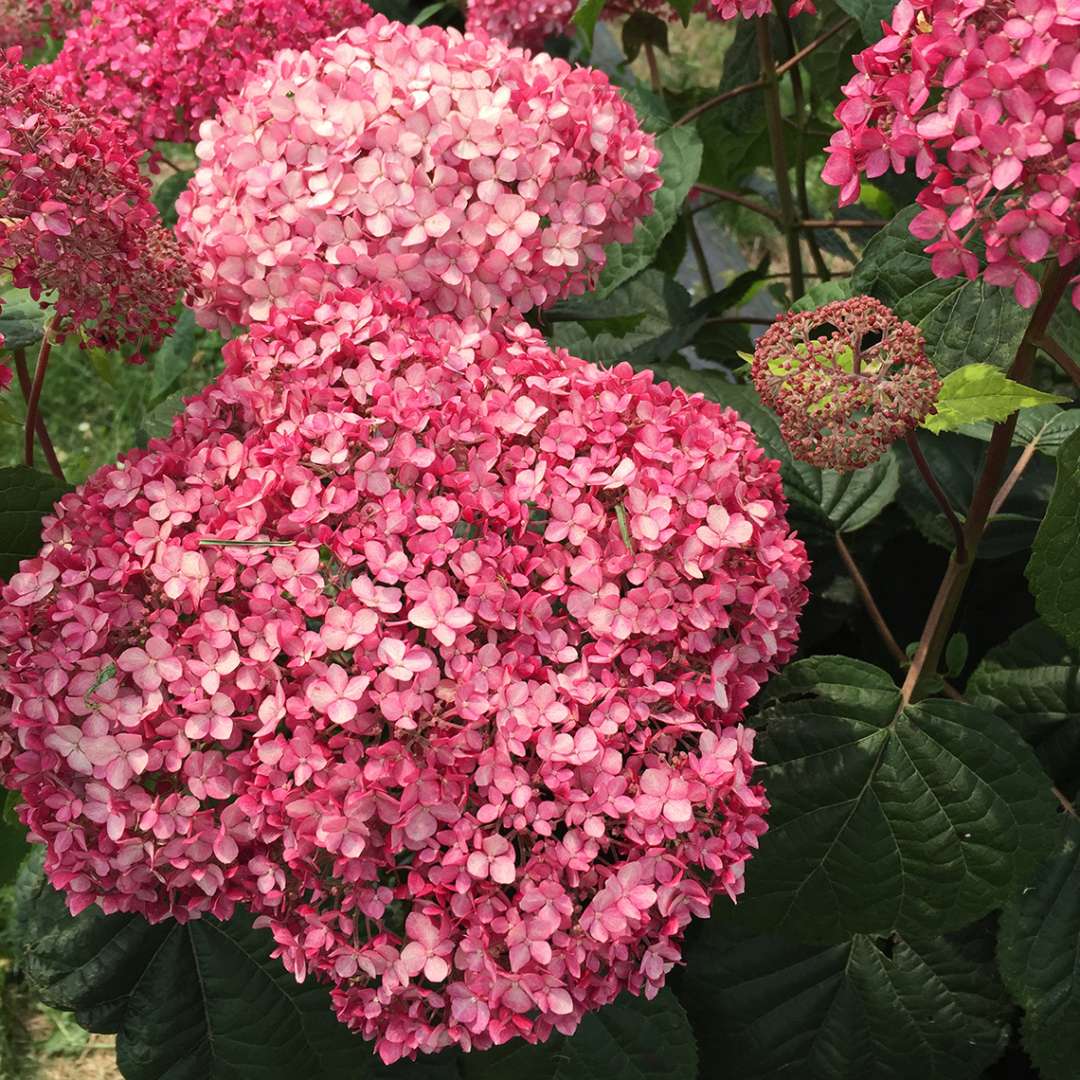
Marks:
<point>26,23</point>
<point>847,380</point>
<point>76,218</point>
<point>426,643</point>
<point>162,66</point>
<point>475,176</point>
<point>984,97</point>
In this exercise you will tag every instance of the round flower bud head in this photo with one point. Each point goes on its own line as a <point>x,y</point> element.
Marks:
<point>76,218</point>
<point>161,67</point>
<point>428,645</point>
<point>984,99</point>
<point>847,380</point>
<point>476,177</point>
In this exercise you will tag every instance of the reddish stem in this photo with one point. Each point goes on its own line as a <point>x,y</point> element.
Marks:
<point>23,373</point>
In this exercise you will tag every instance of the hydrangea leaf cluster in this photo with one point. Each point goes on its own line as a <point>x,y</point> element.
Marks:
<point>847,380</point>
<point>477,177</point>
<point>426,643</point>
<point>530,23</point>
<point>984,98</point>
<point>77,221</point>
<point>161,67</point>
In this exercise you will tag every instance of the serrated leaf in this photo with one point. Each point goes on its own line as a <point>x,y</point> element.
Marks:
<point>769,1008</point>
<point>1054,569</point>
<point>202,1001</point>
<point>585,18</point>
<point>26,496</point>
<point>632,1039</point>
<point>957,464</point>
<point>884,818</point>
<point>1033,682</point>
<point>1039,957</point>
<point>679,167</point>
<point>981,392</point>
<point>964,321</point>
<point>1046,425</point>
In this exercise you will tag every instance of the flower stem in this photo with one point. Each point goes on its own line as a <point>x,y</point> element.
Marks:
<point>1060,357</point>
<point>33,401</point>
<point>654,68</point>
<point>951,590</point>
<point>789,219</point>
<point>699,255</point>
<point>863,589</point>
<point>936,490</point>
<point>740,200</point>
<point>23,373</point>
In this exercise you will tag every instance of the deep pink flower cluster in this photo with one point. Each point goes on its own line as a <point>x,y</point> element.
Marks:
<point>76,218</point>
<point>477,177</point>
<point>428,644</point>
<point>984,96</point>
<point>530,23</point>
<point>26,23</point>
<point>161,67</point>
<point>847,380</point>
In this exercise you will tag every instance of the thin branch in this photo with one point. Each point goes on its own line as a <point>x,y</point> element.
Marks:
<point>654,69</point>
<point>1063,799</point>
<point>727,95</point>
<point>740,200</point>
<point>850,223</point>
<point>804,52</point>
<point>870,604</point>
<point>1010,481</point>
<point>942,499</point>
<point>1060,357</point>
<point>23,373</point>
<point>699,254</point>
<point>33,401</point>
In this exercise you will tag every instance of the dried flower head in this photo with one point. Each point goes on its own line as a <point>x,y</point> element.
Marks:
<point>476,177</point>
<point>984,97</point>
<point>162,66</point>
<point>847,380</point>
<point>427,644</point>
<point>76,218</point>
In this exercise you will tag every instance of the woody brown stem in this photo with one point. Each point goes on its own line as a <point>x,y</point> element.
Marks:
<point>33,401</point>
<point>23,373</point>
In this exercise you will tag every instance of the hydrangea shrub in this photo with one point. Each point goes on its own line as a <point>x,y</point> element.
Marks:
<point>610,606</point>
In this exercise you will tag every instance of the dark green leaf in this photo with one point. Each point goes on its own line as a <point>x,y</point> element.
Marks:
<point>916,819</point>
<point>957,464</point>
<point>956,654</point>
<point>641,29</point>
<point>26,497</point>
<point>1039,956</point>
<point>964,321</point>
<point>632,1039</point>
<point>586,16</point>
<point>13,850</point>
<point>22,321</point>
<point>652,111</point>
<point>683,7</point>
<point>869,15</point>
<point>770,1008</point>
<point>681,149</point>
<point>168,191</point>
<point>1054,570</point>
<point>174,357</point>
<point>1033,682</point>
<point>1046,425</point>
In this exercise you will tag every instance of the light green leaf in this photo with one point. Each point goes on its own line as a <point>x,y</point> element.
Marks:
<point>915,1009</point>
<point>824,292</point>
<point>1033,682</point>
<point>26,496</point>
<point>22,320</point>
<point>981,392</point>
<point>586,16</point>
<point>679,167</point>
<point>964,321</point>
<point>1054,569</point>
<point>1039,957</point>
<point>915,819</point>
<point>632,1039</point>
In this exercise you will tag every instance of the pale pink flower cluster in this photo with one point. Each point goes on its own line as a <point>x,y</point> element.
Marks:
<point>162,66</point>
<point>478,178</point>
<point>984,96</point>
<point>426,643</point>
<point>530,23</point>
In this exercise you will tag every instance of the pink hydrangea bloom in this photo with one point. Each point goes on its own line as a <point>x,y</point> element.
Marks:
<point>161,67</point>
<point>475,772</point>
<point>530,23</point>
<point>475,176</point>
<point>76,218</point>
<point>847,380</point>
<point>984,98</point>
<point>26,23</point>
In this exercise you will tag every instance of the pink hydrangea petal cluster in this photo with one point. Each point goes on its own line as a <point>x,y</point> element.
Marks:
<point>984,97</point>
<point>76,218</point>
<point>479,178</point>
<point>26,23</point>
<point>529,23</point>
<point>161,67</point>
<point>847,380</point>
<point>426,643</point>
